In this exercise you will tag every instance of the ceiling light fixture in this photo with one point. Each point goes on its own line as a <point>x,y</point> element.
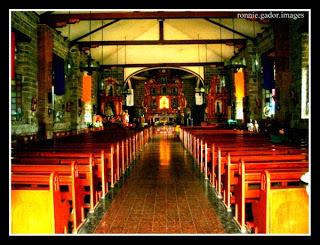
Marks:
<point>235,63</point>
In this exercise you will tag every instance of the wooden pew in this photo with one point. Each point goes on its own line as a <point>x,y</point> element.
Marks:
<point>228,140</point>
<point>101,159</point>
<point>196,141</point>
<point>291,156</point>
<point>247,190</point>
<point>86,167</point>
<point>217,155</point>
<point>252,157</point>
<point>116,163</point>
<point>92,142</point>
<point>95,142</point>
<point>281,210</point>
<point>36,205</point>
<point>235,142</point>
<point>68,177</point>
<point>231,168</point>
<point>258,149</point>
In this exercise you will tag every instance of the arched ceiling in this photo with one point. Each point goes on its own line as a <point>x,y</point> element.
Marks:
<point>155,38</point>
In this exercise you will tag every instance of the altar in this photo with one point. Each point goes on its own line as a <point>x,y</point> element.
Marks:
<point>163,119</point>
<point>164,100</point>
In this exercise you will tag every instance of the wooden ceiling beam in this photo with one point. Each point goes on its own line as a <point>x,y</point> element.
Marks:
<point>216,64</point>
<point>55,18</point>
<point>162,42</point>
<point>73,42</point>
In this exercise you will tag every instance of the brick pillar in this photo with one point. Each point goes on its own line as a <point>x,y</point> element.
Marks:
<point>283,75</point>
<point>45,49</point>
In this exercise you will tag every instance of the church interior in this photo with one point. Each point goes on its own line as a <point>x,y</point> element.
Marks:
<point>159,122</point>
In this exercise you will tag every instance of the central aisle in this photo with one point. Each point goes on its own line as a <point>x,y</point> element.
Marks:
<point>163,194</point>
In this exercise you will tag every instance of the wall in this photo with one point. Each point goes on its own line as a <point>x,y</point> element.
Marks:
<point>297,58</point>
<point>27,67</point>
<point>34,64</point>
<point>289,59</point>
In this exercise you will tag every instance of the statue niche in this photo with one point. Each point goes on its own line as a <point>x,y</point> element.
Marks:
<point>111,99</point>
<point>109,90</point>
<point>217,101</point>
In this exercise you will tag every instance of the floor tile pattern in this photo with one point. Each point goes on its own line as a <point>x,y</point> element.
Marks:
<point>162,193</point>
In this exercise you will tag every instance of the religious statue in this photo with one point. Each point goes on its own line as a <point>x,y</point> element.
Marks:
<point>255,126</point>
<point>250,126</point>
<point>109,112</point>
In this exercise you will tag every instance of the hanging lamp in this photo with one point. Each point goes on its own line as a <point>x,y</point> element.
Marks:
<point>89,58</point>
<point>235,63</point>
<point>90,65</point>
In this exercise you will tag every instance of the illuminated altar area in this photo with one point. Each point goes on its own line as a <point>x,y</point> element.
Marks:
<point>164,99</point>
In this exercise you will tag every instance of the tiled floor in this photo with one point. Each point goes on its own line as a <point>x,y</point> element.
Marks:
<point>163,194</point>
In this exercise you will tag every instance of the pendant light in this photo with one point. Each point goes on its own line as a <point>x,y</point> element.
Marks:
<point>89,60</point>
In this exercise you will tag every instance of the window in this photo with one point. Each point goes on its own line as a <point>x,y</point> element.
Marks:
<point>16,84</point>
<point>269,103</point>
<point>305,77</point>
<point>18,43</point>
<point>305,93</point>
<point>58,74</point>
<point>269,71</point>
<point>16,98</point>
